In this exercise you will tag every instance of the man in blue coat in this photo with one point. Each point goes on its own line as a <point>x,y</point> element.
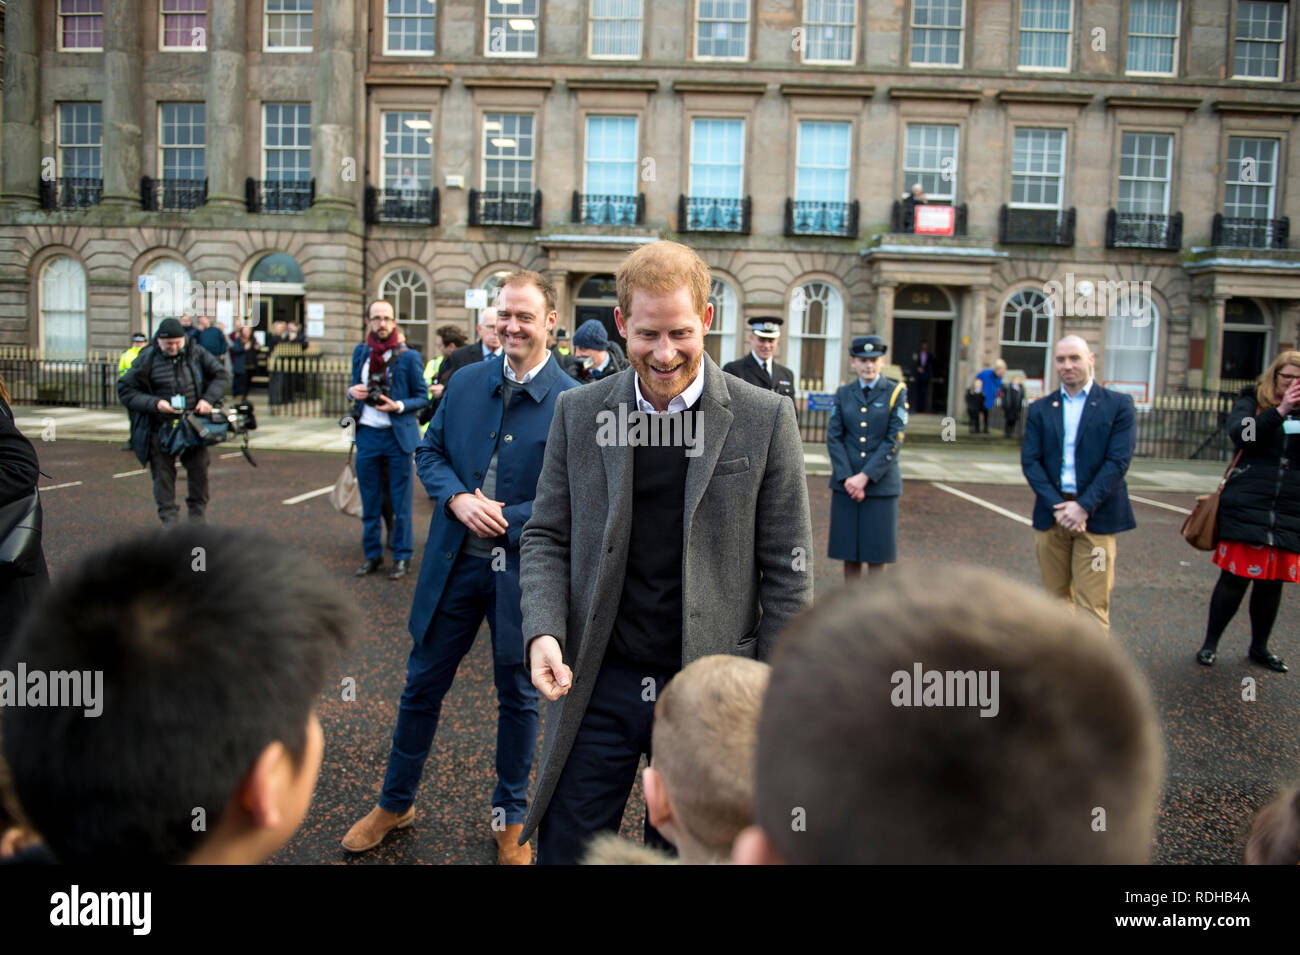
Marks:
<point>387,430</point>
<point>480,462</point>
<point>1078,443</point>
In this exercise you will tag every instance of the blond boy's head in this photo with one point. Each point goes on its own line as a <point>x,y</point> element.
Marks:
<point>699,789</point>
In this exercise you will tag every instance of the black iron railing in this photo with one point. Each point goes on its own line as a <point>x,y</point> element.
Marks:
<point>1036,226</point>
<point>595,209</point>
<point>902,218</point>
<point>1187,426</point>
<point>172,195</point>
<point>506,208</point>
<point>414,206</point>
<point>70,193</point>
<point>1138,230</point>
<point>1250,233</point>
<point>704,214</point>
<point>279,195</point>
<point>806,217</point>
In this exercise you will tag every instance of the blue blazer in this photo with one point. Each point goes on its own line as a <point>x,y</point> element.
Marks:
<point>864,434</point>
<point>1102,453</point>
<point>454,457</point>
<point>407,386</point>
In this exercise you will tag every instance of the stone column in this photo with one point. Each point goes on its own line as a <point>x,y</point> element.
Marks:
<point>1214,341</point>
<point>882,322</point>
<point>227,104</point>
<point>971,326</point>
<point>563,305</point>
<point>1289,324</point>
<point>335,163</point>
<point>21,134</point>
<point>122,99</point>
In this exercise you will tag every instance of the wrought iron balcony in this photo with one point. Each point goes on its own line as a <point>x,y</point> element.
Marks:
<point>1139,230</point>
<point>704,214</point>
<point>279,195</point>
<point>807,217</point>
<point>172,195</point>
<point>413,206</point>
<point>506,208</point>
<point>594,209</point>
<point>902,217</point>
<point>70,193</point>
<point>1250,233</point>
<point>1036,226</point>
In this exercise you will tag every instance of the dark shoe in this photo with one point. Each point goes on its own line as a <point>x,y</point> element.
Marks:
<point>399,569</point>
<point>1270,660</point>
<point>1206,656</point>
<point>371,565</point>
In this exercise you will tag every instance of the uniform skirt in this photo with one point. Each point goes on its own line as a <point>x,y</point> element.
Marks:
<point>866,531</point>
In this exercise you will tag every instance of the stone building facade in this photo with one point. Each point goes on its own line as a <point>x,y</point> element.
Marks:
<point>1123,169</point>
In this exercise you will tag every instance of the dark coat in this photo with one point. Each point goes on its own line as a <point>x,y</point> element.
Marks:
<point>406,384</point>
<point>241,354</point>
<point>454,457</point>
<point>1260,503</point>
<point>748,369</point>
<point>141,387</point>
<point>19,472</point>
<point>1103,451</point>
<point>864,435</point>
<point>462,356</point>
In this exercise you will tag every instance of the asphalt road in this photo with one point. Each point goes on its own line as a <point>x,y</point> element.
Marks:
<point>1226,757</point>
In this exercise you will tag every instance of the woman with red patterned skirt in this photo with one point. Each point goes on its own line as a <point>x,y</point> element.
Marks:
<point>1259,510</point>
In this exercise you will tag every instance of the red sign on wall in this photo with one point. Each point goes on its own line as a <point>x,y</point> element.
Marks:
<point>935,220</point>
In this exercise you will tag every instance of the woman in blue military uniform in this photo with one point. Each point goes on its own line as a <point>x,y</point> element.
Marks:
<point>863,436</point>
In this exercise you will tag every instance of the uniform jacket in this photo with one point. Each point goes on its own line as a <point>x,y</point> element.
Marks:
<point>746,538</point>
<point>1260,504</point>
<point>864,435</point>
<point>748,369</point>
<point>1102,453</point>
<point>406,385</point>
<point>137,390</point>
<point>454,457</point>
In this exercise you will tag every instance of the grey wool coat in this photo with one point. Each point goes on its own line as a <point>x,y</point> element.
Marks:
<point>746,547</point>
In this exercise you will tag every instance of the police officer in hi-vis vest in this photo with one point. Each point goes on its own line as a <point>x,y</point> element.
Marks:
<point>759,367</point>
<point>863,436</point>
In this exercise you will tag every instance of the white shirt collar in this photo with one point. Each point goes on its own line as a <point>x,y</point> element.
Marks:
<point>530,374</point>
<point>761,362</point>
<point>488,352</point>
<point>1087,386</point>
<point>686,399</point>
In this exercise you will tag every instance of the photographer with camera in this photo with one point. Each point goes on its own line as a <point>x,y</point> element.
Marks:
<point>593,358</point>
<point>168,379</point>
<point>389,389</point>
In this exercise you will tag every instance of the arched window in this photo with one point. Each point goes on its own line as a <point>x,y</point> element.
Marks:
<point>170,281</point>
<point>1132,330</point>
<point>720,343</point>
<point>815,322</point>
<point>63,308</point>
<point>1026,338</point>
<point>408,293</point>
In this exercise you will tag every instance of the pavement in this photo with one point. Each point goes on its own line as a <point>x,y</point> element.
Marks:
<point>1226,755</point>
<point>966,459</point>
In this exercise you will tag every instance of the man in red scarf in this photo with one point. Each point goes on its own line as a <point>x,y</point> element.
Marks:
<point>389,390</point>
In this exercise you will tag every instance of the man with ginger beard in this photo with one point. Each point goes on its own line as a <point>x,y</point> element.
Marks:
<point>644,554</point>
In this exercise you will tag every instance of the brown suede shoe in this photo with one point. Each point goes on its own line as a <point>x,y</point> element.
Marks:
<point>378,823</point>
<point>508,851</point>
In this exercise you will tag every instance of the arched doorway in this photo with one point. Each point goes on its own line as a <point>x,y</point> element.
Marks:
<point>274,292</point>
<point>924,315</point>
<point>596,299</point>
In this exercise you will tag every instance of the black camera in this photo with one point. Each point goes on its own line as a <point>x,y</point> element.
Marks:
<point>581,365</point>
<point>376,387</point>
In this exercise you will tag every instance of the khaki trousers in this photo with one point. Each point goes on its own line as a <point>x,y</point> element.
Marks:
<point>1079,568</point>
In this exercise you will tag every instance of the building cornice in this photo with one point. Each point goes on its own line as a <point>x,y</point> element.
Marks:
<point>600,83</point>
<point>1187,103</point>
<point>1256,106</point>
<point>509,82</point>
<point>697,86</point>
<point>863,90</point>
<point>1043,96</point>
<point>382,79</point>
<point>929,92</point>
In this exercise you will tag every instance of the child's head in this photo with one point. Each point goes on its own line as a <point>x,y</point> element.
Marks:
<point>699,786</point>
<point>204,650</point>
<point>1275,836</point>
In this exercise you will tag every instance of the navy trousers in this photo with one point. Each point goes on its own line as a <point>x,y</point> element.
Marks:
<point>593,787</point>
<point>470,594</point>
<point>374,446</point>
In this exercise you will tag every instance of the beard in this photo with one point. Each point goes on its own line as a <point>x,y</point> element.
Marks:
<point>665,390</point>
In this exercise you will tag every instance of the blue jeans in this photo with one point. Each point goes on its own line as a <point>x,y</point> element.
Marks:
<point>470,594</point>
<point>375,445</point>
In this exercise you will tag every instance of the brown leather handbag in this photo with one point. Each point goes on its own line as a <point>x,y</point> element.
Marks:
<point>1201,529</point>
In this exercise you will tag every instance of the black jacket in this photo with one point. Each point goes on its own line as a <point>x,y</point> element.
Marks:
<point>19,472</point>
<point>147,380</point>
<point>1260,503</point>
<point>748,369</point>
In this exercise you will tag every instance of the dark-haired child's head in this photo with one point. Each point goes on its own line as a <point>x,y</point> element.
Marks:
<point>213,645</point>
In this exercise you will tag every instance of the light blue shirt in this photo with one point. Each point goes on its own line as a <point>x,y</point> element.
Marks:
<point>1073,409</point>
